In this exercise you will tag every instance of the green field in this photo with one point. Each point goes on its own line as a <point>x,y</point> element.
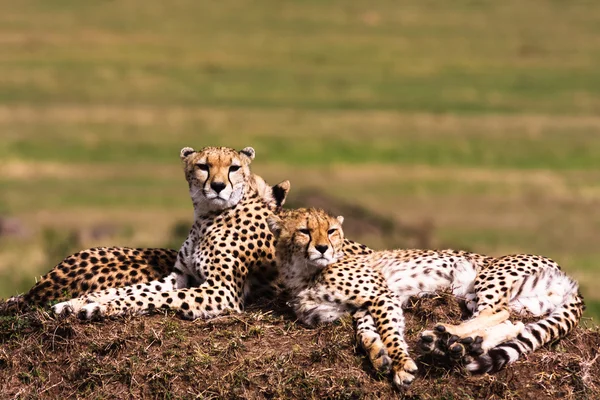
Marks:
<point>482,118</point>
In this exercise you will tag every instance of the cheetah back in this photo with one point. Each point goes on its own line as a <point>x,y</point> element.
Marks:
<point>100,268</point>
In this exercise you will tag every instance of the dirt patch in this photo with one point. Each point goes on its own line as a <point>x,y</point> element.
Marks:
<point>260,354</point>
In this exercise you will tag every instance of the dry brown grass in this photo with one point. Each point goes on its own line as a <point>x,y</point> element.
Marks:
<point>261,353</point>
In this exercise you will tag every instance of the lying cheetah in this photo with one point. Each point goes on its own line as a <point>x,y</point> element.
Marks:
<point>101,268</point>
<point>326,284</point>
<point>95,269</point>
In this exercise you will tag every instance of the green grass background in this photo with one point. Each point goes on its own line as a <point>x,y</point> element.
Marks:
<point>482,117</point>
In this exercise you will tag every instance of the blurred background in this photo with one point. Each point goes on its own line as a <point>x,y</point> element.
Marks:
<point>461,124</point>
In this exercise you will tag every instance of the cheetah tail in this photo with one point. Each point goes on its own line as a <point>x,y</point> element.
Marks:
<point>556,325</point>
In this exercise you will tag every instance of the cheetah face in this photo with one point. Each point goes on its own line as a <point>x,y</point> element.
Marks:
<point>309,235</point>
<point>217,176</point>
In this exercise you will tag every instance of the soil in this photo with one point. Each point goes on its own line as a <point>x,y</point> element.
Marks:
<point>261,354</point>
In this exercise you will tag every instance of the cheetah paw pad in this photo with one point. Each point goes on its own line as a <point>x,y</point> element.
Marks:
<point>441,343</point>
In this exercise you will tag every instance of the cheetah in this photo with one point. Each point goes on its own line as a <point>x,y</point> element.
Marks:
<point>101,268</point>
<point>228,256</point>
<point>228,252</point>
<point>325,283</point>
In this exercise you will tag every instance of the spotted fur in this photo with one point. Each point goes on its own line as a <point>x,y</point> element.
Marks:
<point>326,284</point>
<point>228,253</point>
<point>102,268</point>
<point>95,269</point>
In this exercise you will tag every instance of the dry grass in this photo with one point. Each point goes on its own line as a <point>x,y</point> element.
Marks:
<point>261,353</point>
<point>334,120</point>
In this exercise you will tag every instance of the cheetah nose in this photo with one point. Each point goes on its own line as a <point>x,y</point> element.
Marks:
<point>322,248</point>
<point>217,186</point>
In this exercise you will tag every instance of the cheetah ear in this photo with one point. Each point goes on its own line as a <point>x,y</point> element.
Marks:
<point>274,223</point>
<point>248,152</point>
<point>340,219</point>
<point>280,192</point>
<point>186,151</point>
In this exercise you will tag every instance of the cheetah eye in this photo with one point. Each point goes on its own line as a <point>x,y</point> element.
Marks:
<point>234,168</point>
<point>331,231</point>
<point>304,231</point>
<point>202,167</point>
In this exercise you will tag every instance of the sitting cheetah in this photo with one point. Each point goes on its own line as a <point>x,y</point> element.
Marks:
<point>228,252</point>
<point>228,255</point>
<point>325,284</point>
<point>101,268</point>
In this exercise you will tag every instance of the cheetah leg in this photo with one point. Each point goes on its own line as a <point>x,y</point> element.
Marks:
<point>444,335</point>
<point>490,309</point>
<point>191,303</point>
<point>386,311</point>
<point>74,306</point>
<point>500,333</point>
<point>480,342</point>
<point>473,345</point>
<point>485,319</point>
<point>368,338</point>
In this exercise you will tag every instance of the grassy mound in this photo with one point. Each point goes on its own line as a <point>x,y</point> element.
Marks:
<point>261,353</point>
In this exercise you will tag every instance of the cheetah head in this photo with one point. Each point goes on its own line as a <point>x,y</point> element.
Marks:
<point>307,237</point>
<point>217,176</point>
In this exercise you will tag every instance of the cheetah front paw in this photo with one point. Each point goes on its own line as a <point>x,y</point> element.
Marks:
<point>64,308</point>
<point>441,343</point>
<point>381,361</point>
<point>378,355</point>
<point>471,302</point>
<point>404,375</point>
<point>429,343</point>
<point>92,311</point>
